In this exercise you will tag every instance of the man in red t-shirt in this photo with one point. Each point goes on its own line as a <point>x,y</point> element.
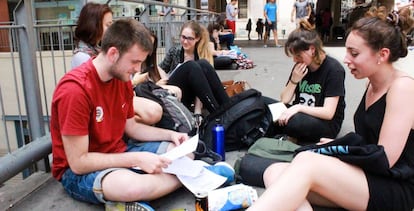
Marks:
<point>92,109</point>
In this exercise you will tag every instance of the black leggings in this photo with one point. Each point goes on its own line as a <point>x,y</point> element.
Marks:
<point>307,129</point>
<point>199,79</point>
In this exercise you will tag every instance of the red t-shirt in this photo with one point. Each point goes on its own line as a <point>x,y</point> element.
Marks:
<point>84,105</point>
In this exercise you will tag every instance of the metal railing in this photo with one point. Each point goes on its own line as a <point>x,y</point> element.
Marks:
<point>34,55</point>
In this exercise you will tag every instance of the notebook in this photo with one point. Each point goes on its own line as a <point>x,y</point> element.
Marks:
<point>277,109</point>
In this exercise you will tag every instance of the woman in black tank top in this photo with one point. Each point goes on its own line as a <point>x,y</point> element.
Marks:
<point>384,123</point>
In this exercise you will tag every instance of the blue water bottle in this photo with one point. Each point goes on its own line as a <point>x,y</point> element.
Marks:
<point>218,139</point>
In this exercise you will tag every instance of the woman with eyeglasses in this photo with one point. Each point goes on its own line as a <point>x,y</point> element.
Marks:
<point>190,68</point>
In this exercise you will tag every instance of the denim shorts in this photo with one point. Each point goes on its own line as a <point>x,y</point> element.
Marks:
<point>88,187</point>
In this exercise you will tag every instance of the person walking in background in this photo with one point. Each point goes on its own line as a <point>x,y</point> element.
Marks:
<point>166,10</point>
<point>318,22</point>
<point>271,16</point>
<point>249,27</point>
<point>301,10</point>
<point>326,24</point>
<point>315,90</point>
<point>377,173</point>
<point>231,14</point>
<point>259,28</point>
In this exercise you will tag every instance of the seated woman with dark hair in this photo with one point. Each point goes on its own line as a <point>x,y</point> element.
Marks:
<point>150,72</point>
<point>315,90</point>
<point>93,21</point>
<point>225,34</point>
<point>222,58</point>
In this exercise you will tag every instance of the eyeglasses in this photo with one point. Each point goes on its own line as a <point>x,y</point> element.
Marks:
<point>183,37</point>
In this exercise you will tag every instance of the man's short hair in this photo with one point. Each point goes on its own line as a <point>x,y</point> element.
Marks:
<point>125,33</point>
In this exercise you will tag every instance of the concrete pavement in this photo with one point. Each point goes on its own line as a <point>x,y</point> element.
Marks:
<point>269,76</point>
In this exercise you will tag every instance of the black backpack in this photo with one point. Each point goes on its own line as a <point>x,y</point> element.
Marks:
<point>245,118</point>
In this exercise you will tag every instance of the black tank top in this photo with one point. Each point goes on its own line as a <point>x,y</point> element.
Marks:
<point>368,124</point>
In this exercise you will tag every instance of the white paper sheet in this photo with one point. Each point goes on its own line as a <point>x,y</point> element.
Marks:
<point>277,109</point>
<point>192,174</point>
<point>184,166</point>
<point>205,182</point>
<point>183,149</point>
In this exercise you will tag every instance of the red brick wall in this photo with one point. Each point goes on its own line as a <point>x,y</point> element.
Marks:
<point>4,17</point>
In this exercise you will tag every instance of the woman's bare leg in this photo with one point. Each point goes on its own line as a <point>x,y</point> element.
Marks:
<point>343,184</point>
<point>147,111</point>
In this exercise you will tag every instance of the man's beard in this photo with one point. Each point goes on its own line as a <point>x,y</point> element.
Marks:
<point>116,73</point>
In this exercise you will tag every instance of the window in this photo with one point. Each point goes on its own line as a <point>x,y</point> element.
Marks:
<point>242,9</point>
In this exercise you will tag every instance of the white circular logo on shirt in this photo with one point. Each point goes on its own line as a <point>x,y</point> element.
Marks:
<point>99,114</point>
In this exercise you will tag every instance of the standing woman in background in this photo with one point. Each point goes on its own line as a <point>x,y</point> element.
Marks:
<point>384,121</point>
<point>92,23</point>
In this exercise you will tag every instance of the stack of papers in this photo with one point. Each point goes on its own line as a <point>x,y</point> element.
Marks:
<point>192,174</point>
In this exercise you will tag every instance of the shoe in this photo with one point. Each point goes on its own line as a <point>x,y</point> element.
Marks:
<point>205,154</point>
<point>198,118</point>
<point>127,206</point>
<point>223,169</point>
<point>265,46</point>
<point>278,46</point>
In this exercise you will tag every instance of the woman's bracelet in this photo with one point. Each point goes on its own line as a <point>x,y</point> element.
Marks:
<point>295,83</point>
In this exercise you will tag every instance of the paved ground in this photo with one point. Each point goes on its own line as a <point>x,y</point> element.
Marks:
<point>269,76</point>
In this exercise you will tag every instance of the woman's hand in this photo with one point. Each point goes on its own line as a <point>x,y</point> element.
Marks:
<point>176,91</point>
<point>173,90</point>
<point>286,115</point>
<point>299,71</point>
<point>324,141</point>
